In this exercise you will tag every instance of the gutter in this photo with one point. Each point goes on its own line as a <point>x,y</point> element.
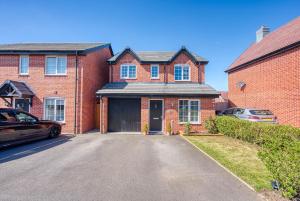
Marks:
<point>76,92</point>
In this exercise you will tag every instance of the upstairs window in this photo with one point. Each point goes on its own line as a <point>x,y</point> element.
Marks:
<point>128,71</point>
<point>154,72</point>
<point>182,72</point>
<point>56,65</point>
<point>24,65</point>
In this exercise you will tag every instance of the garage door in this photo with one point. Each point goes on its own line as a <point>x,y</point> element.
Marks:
<point>124,115</point>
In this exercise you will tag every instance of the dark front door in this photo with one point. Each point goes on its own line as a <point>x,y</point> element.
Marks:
<point>124,115</point>
<point>155,115</point>
<point>22,104</point>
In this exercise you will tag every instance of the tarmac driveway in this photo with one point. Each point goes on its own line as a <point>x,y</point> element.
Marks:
<point>115,167</point>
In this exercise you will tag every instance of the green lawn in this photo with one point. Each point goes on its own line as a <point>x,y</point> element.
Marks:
<point>238,156</point>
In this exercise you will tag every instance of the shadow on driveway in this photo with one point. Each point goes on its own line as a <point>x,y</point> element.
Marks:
<point>20,151</point>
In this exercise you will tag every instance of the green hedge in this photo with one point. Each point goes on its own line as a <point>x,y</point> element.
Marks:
<point>280,148</point>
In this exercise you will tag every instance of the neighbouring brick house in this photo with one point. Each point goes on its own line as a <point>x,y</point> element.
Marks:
<point>55,81</point>
<point>155,89</point>
<point>267,74</point>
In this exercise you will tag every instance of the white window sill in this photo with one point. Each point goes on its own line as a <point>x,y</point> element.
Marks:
<point>53,75</point>
<point>191,123</point>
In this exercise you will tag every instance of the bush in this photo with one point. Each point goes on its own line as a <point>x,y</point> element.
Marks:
<point>169,128</point>
<point>146,129</point>
<point>187,128</point>
<point>280,148</point>
<point>211,126</point>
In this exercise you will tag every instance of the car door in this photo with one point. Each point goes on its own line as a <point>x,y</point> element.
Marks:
<point>29,126</point>
<point>8,127</point>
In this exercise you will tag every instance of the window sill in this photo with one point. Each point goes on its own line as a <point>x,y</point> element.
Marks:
<point>155,78</point>
<point>54,75</point>
<point>191,123</point>
<point>24,75</point>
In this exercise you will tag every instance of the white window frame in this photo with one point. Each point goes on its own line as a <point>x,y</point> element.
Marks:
<point>189,111</point>
<point>182,66</point>
<point>20,65</point>
<point>154,65</point>
<point>127,77</point>
<point>56,57</point>
<point>55,98</point>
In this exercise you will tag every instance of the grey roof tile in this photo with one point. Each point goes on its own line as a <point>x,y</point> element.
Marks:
<point>50,46</point>
<point>123,88</point>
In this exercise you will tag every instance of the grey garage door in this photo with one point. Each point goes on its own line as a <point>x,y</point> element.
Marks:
<point>124,115</point>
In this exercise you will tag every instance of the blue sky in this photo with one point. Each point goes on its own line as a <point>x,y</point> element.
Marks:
<point>216,30</point>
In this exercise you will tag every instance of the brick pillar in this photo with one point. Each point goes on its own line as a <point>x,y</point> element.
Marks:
<point>103,115</point>
<point>144,112</point>
<point>170,108</point>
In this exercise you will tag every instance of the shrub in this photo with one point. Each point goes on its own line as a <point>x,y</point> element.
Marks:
<point>211,126</point>
<point>280,148</point>
<point>169,128</point>
<point>187,128</point>
<point>146,129</point>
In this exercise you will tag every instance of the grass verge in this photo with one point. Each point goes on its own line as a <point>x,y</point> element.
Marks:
<point>237,156</point>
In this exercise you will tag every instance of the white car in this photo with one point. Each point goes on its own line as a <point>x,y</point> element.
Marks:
<point>251,114</point>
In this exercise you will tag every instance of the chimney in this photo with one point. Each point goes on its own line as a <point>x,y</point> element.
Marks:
<point>261,33</point>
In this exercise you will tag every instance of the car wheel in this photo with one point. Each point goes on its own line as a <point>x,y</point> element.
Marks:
<point>54,132</point>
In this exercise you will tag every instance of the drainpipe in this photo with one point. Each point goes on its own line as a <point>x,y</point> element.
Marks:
<point>76,91</point>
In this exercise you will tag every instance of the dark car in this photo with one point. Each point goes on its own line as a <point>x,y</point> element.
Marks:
<point>17,127</point>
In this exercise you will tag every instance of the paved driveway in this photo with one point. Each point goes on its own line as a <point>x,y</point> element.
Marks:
<point>115,167</point>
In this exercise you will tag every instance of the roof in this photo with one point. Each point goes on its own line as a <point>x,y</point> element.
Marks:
<point>157,56</point>
<point>20,89</point>
<point>51,47</point>
<point>285,36</point>
<point>157,89</point>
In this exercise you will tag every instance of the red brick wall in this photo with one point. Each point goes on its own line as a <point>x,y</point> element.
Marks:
<point>170,114</point>
<point>104,115</point>
<point>94,76</point>
<point>143,70</point>
<point>272,84</point>
<point>43,85</point>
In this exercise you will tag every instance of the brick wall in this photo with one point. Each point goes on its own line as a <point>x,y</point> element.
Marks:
<point>272,84</point>
<point>94,76</point>
<point>43,85</point>
<point>143,70</point>
<point>170,113</point>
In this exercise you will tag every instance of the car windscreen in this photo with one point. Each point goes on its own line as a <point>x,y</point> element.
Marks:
<point>261,112</point>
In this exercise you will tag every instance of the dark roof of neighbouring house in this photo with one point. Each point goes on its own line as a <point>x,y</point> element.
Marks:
<point>21,88</point>
<point>158,89</point>
<point>284,38</point>
<point>51,47</point>
<point>157,56</point>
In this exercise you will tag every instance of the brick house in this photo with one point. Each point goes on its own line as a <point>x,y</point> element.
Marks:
<point>55,81</point>
<point>267,74</point>
<point>155,89</point>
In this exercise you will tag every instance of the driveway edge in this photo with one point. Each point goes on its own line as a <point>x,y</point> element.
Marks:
<point>217,162</point>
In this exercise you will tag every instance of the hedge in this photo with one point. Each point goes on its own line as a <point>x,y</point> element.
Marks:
<point>280,148</point>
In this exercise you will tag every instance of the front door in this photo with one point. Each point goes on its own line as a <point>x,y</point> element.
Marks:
<point>155,115</point>
<point>22,104</point>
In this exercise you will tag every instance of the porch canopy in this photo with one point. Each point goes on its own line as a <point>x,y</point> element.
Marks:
<point>157,89</point>
<point>15,89</point>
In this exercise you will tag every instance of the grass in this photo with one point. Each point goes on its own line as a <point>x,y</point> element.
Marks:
<point>237,156</point>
